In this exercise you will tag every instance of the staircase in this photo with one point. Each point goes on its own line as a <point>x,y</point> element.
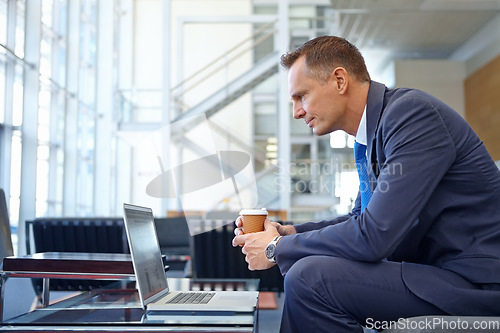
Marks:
<point>261,70</point>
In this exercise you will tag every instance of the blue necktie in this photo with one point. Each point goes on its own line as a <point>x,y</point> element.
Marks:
<point>364,181</point>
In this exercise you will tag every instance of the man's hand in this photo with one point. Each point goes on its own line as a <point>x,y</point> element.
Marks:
<point>253,245</point>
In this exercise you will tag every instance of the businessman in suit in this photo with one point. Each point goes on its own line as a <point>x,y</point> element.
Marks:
<point>424,235</point>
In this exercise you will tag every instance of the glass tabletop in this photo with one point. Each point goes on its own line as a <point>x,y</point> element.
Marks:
<point>119,304</point>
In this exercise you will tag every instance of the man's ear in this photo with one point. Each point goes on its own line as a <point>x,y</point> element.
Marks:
<point>340,77</point>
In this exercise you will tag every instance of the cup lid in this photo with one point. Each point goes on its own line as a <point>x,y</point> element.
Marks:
<point>254,211</point>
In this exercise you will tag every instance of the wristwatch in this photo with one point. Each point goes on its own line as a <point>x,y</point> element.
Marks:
<point>271,247</point>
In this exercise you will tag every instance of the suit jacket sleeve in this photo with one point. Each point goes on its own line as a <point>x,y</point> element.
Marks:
<point>418,150</point>
<point>310,226</point>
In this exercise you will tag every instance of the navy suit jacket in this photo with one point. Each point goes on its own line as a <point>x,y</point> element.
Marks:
<point>435,205</point>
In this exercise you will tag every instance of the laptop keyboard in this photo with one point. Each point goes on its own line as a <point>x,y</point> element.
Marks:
<point>191,298</point>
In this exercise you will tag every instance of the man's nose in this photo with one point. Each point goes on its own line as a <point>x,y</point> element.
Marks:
<point>298,111</point>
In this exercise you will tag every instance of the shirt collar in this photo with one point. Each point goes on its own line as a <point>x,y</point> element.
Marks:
<point>361,134</point>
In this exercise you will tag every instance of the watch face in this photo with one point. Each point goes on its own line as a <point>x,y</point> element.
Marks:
<point>270,251</point>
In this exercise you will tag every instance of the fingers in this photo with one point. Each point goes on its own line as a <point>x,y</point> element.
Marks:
<point>239,226</point>
<point>284,230</point>
<point>278,227</point>
<point>268,224</point>
<point>239,222</point>
<point>238,231</point>
<point>248,259</point>
<point>239,240</point>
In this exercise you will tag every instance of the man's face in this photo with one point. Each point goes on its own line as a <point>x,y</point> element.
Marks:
<point>318,104</point>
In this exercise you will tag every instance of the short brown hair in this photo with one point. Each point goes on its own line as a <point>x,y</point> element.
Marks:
<point>324,54</point>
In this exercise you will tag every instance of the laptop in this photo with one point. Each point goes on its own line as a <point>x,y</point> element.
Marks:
<point>151,280</point>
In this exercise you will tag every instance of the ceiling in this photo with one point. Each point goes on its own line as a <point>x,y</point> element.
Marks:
<point>410,29</point>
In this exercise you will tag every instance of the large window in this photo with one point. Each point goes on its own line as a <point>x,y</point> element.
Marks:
<point>12,21</point>
<point>50,152</point>
<point>66,118</point>
<point>86,108</point>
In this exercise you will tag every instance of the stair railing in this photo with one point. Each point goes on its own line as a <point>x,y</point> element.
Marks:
<point>218,64</point>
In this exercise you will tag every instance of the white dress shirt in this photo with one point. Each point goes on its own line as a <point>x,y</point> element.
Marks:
<point>361,136</point>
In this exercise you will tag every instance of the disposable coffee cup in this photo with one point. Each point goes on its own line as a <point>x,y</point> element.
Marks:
<point>253,220</point>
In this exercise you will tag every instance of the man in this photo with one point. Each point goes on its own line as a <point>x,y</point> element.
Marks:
<point>428,240</point>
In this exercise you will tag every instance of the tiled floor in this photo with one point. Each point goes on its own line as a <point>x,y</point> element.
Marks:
<point>269,320</point>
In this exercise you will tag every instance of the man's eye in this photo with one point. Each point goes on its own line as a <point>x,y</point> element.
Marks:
<point>298,98</point>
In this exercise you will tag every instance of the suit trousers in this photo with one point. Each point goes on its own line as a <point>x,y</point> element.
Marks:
<point>330,294</point>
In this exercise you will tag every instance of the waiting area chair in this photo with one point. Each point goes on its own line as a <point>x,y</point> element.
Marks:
<point>101,235</point>
<point>91,235</point>
<point>174,238</point>
<point>214,257</point>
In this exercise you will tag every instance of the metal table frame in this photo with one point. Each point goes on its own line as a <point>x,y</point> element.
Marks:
<point>46,276</point>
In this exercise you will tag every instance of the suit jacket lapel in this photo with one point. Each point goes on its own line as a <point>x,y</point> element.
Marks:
<point>374,104</point>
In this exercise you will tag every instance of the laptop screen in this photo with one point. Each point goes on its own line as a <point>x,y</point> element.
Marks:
<point>145,252</point>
